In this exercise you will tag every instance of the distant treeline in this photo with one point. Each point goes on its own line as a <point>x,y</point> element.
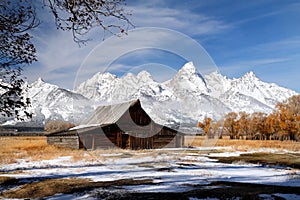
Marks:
<point>21,131</point>
<point>282,124</point>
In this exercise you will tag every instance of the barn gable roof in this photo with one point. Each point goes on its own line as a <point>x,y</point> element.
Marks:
<point>109,114</point>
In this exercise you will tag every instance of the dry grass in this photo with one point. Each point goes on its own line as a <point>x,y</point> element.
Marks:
<point>215,190</point>
<point>6,180</point>
<point>255,144</point>
<point>36,148</point>
<point>50,187</point>
<point>201,141</point>
<point>33,148</point>
<point>288,159</point>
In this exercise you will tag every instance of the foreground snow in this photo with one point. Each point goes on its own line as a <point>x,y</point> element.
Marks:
<point>173,170</point>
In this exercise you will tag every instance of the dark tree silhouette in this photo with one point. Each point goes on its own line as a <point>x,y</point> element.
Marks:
<point>80,16</point>
<point>18,17</point>
<point>17,50</point>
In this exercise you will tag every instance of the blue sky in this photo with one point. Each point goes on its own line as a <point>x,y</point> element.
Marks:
<point>240,36</point>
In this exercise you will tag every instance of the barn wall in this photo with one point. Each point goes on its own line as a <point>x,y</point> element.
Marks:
<point>180,140</point>
<point>139,143</point>
<point>138,115</point>
<point>159,137</point>
<point>134,116</point>
<point>64,141</point>
<point>101,137</point>
<point>112,136</point>
<point>165,138</point>
<point>134,130</point>
<point>136,124</point>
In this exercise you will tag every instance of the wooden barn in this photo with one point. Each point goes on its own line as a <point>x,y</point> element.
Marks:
<point>124,125</point>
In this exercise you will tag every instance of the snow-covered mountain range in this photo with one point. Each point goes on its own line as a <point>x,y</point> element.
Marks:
<point>181,101</point>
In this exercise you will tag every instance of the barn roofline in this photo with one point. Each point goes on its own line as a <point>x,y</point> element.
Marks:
<point>87,128</point>
<point>113,108</point>
<point>110,113</point>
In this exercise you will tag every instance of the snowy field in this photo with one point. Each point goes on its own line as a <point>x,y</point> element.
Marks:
<point>172,170</point>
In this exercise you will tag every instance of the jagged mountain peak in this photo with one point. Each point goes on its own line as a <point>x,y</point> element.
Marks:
<point>190,73</point>
<point>129,76</point>
<point>40,79</point>
<point>144,75</point>
<point>188,80</point>
<point>249,89</point>
<point>186,96</point>
<point>100,76</point>
<point>251,76</point>
<point>50,102</point>
<point>96,79</point>
<point>188,70</point>
<point>189,66</point>
<point>250,73</point>
<point>97,86</point>
<point>38,82</point>
<point>217,83</point>
<point>138,80</point>
<point>215,73</point>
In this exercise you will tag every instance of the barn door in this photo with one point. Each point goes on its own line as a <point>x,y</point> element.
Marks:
<point>125,141</point>
<point>89,142</point>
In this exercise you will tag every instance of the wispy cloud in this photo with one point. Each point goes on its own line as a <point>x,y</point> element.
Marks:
<point>112,49</point>
<point>292,43</point>
<point>265,61</point>
<point>242,66</point>
<point>61,61</point>
<point>177,19</point>
<point>58,57</point>
<point>275,52</point>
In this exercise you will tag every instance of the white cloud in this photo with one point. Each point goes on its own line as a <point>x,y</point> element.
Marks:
<point>238,68</point>
<point>101,57</point>
<point>264,61</point>
<point>178,19</point>
<point>284,44</point>
<point>60,57</point>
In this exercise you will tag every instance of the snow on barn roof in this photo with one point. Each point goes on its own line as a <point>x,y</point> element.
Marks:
<point>109,114</point>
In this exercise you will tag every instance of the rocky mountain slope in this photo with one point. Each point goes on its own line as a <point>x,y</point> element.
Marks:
<point>50,102</point>
<point>188,96</point>
<point>181,101</point>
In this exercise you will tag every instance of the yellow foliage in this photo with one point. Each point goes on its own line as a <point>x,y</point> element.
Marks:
<point>201,125</point>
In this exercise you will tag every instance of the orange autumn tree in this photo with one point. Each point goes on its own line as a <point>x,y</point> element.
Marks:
<point>282,124</point>
<point>288,118</point>
<point>257,125</point>
<point>205,125</point>
<point>283,121</point>
<point>293,110</point>
<point>271,126</point>
<point>243,125</point>
<point>230,125</point>
<point>215,128</point>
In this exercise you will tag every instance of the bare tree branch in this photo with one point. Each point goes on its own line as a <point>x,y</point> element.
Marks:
<point>18,17</point>
<point>81,16</point>
<point>17,50</point>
